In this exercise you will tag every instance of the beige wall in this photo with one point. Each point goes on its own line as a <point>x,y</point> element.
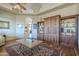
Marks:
<point>78,8</point>
<point>20,20</point>
<point>5,16</point>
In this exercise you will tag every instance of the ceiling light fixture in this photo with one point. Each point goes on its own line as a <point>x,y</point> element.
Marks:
<point>17,6</point>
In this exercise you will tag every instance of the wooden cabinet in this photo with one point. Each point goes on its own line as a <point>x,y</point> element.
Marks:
<point>61,31</point>
<point>40,31</point>
<point>51,29</point>
<point>68,31</point>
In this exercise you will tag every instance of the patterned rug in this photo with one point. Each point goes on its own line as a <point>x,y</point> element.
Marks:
<point>40,50</point>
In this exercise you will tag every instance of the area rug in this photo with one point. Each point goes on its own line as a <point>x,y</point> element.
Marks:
<point>40,50</point>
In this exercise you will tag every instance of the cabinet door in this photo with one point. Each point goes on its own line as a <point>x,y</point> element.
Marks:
<point>51,30</point>
<point>40,30</point>
<point>46,25</point>
<point>68,36</point>
<point>46,29</point>
<point>54,29</point>
<point>78,31</point>
<point>46,37</point>
<point>42,36</point>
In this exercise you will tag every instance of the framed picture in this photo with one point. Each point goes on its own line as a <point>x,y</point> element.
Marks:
<point>41,27</point>
<point>4,25</point>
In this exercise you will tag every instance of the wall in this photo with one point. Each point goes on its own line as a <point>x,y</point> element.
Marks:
<point>20,20</point>
<point>78,8</point>
<point>6,16</point>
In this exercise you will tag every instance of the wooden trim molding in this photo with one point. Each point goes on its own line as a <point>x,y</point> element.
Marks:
<point>53,16</point>
<point>69,17</point>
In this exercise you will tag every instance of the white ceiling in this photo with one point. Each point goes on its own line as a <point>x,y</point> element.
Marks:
<point>31,8</point>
